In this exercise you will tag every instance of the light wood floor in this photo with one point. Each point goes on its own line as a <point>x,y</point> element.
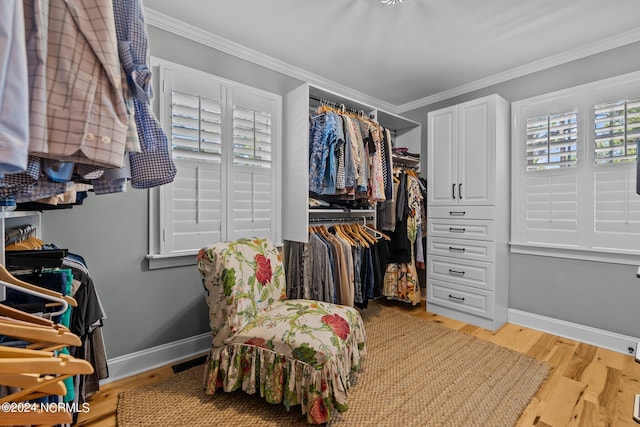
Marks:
<point>587,386</point>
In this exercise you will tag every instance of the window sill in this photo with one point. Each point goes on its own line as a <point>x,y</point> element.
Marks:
<point>585,254</point>
<point>157,261</point>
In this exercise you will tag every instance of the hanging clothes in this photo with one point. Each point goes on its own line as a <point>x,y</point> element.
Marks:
<point>337,265</point>
<point>401,280</point>
<point>88,87</point>
<point>348,157</point>
<point>14,89</point>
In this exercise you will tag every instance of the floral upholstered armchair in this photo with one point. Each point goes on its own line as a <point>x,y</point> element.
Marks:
<point>295,352</point>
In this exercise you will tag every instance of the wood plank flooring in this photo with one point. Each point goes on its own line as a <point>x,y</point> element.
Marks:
<point>588,386</point>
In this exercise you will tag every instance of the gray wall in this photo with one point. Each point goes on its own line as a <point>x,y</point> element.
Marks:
<point>146,308</point>
<point>596,294</point>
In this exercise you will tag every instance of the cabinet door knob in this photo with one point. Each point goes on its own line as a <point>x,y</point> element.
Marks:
<point>460,191</point>
<point>453,191</point>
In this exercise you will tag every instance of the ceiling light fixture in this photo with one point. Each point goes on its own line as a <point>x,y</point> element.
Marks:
<point>390,2</point>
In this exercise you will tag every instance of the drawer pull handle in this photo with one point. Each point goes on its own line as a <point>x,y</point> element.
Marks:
<point>458,299</point>
<point>452,249</point>
<point>457,213</point>
<point>456,230</point>
<point>456,272</point>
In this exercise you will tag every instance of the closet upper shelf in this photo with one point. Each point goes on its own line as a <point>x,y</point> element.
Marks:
<point>17,214</point>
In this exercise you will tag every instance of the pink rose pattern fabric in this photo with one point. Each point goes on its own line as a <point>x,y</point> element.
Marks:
<point>294,352</point>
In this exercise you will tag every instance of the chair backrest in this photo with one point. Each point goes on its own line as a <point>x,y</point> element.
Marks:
<point>243,279</point>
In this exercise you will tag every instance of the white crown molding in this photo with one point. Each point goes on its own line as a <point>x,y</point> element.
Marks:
<point>175,26</point>
<point>543,64</point>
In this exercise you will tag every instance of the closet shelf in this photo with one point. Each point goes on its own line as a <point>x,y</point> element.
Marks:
<point>354,212</point>
<point>17,214</point>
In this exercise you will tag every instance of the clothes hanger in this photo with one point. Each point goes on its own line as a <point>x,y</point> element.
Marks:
<point>7,279</point>
<point>63,365</point>
<point>38,418</point>
<point>29,380</point>
<point>14,313</point>
<point>38,333</point>
<point>39,294</point>
<point>375,232</point>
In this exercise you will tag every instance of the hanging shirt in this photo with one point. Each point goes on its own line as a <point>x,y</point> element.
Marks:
<point>14,89</point>
<point>153,165</point>
<point>86,115</point>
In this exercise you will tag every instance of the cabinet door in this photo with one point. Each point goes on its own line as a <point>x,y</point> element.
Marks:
<point>476,152</point>
<point>442,152</point>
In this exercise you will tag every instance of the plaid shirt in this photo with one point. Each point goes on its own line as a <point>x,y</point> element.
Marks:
<point>87,117</point>
<point>153,165</point>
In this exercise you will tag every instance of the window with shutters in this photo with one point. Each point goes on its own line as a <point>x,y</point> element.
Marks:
<point>224,141</point>
<point>551,141</point>
<point>574,172</point>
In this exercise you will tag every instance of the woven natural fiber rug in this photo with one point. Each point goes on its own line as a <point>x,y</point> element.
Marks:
<point>416,373</point>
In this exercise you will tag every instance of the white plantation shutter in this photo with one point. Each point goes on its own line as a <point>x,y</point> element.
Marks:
<point>224,140</point>
<point>252,176</point>
<point>552,141</point>
<point>194,213</point>
<point>617,208</point>
<point>574,172</point>
<point>196,127</point>
<point>252,204</point>
<point>617,131</point>
<point>616,204</point>
<point>551,208</point>
<point>251,137</point>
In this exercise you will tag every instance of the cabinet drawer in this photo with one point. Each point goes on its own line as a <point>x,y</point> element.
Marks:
<point>477,250</point>
<point>470,273</point>
<point>461,212</point>
<point>461,229</point>
<point>461,298</point>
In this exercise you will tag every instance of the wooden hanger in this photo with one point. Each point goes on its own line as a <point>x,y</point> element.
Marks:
<point>37,418</point>
<point>7,277</point>
<point>63,365</point>
<point>37,333</point>
<point>371,239</point>
<point>21,315</point>
<point>46,384</point>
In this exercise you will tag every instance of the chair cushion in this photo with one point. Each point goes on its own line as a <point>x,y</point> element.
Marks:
<point>299,352</point>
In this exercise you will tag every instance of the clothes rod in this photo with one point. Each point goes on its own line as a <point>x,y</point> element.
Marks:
<point>341,219</point>
<point>339,106</point>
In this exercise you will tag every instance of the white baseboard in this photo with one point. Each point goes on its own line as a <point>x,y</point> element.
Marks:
<point>144,360</point>
<point>610,340</point>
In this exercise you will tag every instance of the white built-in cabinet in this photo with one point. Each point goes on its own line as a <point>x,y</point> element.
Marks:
<point>295,154</point>
<point>468,165</point>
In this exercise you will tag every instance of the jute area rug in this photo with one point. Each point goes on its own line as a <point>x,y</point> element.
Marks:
<point>416,373</point>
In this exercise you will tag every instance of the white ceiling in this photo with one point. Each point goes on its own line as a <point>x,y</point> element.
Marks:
<point>416,50</point>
